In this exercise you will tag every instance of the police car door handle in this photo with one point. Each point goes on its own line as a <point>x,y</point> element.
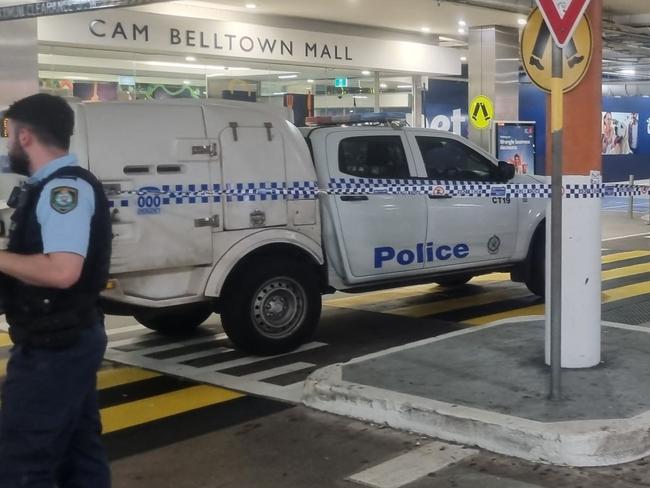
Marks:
<point>439,197</point>
<point>354,198</point>
<point>207,222</point>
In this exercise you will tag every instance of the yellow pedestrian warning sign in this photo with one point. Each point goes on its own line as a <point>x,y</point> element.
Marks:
<point>537,49</point>
<point>481,112</point>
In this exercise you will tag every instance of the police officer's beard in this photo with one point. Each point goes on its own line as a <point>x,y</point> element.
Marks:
<point>18,160</point>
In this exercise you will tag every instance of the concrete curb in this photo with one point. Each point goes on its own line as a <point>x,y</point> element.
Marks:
<point>573,443</point>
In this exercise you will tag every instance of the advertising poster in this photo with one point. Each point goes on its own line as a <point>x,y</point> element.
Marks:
<point>445,105</point>
<point>515,143</point>
<point>620,133</point>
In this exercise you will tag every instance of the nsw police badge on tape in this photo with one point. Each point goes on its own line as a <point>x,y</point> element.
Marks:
<point>64,199</point>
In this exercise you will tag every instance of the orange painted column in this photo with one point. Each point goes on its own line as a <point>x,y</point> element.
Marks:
<point>581,285</point>
<point>583,111</point>
<point>583,108</point>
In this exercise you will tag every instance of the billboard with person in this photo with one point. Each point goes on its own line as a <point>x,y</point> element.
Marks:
<point>515,143</point>
<point>620,133</point>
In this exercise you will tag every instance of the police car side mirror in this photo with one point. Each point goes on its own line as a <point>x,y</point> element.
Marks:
<point>506,171</point>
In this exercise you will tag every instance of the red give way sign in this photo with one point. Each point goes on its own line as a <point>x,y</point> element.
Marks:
<point>562,17</point>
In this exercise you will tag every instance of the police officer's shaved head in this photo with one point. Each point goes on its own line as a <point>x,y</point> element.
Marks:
<point>49,117</point>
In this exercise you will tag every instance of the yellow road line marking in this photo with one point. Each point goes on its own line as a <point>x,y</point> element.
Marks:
<point>5,340</point>
<point>623,272</point>
<point>489,278</point>
<point>517,312</point>
<point>158,407</point>
<point>372,298</point>
<point>111,377</point>
<point>3,367</point>
<point>609,296</point>
<point>426,309</point>
<point>622,256</point>
<point>624,292</point>
<point>380,296</point>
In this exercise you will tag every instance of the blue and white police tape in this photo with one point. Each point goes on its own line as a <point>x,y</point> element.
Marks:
<point>309,190</point>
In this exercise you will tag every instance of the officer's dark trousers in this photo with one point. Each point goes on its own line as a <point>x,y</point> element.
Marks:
<point>49,422</point>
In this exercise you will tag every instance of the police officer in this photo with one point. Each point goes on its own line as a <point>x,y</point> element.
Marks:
<point>52,273</point>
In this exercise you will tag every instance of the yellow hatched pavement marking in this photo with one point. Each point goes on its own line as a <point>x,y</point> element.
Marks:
<point>622,256</point>
<point>629,291</point>
<point>408,291</point>
<point>5,340</point>
<point>417,311</point>
<point>111,377</point>
<point>380,296</point>
<point>517,312</point>
<point>162,406</point>
<point>609,296</point>
<point>636,269</point>
<point>423,310</point>
<point>108,378</point>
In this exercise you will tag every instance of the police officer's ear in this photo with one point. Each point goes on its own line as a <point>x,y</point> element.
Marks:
<point>21,133</point>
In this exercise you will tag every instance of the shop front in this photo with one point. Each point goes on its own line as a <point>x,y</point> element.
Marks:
<point>127,54</point>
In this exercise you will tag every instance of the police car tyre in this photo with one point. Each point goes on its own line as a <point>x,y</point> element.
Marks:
<point>536,281</point>
<point>174,320</point>
<point>272,307</point>
<point>456,280</point>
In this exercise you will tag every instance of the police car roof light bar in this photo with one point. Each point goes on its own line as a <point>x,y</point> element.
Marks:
<point>387,118</point>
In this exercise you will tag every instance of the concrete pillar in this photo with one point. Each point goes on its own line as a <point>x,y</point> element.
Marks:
<point>581,241</point>
<point>377,93</point>
<point>494,72</point>
<point>417,102</point>
<point>18,60</point>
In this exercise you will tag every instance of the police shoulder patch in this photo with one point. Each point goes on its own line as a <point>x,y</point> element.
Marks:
<point>63,199</point>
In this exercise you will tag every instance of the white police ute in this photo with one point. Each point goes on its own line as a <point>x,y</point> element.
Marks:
<point>227,207</point>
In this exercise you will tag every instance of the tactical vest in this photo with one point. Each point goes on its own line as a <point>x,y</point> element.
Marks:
<point>50,317</point>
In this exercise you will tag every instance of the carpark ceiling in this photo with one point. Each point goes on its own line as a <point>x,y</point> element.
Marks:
<point>626,26</point>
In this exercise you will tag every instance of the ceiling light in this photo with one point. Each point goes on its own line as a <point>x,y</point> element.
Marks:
<point>522,22</point>
<point>287,77</point>
<point>628,72</point>
<point>461,30</point>
<point>463,58</point>
<point>363,97</point>
<point>80,78</point>
<point>310,81</point>
<point>191,59</point>
<point>425,29</point>
<point>179,65</point>
<point>462,23</point>
<point>279,93</point>
<point>366,73</point>
<point>186,82</point>
<point>405,86</point>
<point>383,85</point>
<point>251,5</point>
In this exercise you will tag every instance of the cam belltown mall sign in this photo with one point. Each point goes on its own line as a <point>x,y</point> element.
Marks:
<point>144,32</point>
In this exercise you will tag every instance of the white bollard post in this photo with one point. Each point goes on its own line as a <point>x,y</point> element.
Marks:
<point>630,212</point>
<point>581,280</point>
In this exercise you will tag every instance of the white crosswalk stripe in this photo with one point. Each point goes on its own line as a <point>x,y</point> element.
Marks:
<point>271,373</point>
<point>254,359</point>
<point>412,466</point>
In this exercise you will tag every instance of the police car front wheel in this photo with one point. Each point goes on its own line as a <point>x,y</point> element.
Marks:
<point>272,308</point>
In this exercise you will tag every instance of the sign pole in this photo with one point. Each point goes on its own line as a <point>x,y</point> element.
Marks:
<point>557,197</point>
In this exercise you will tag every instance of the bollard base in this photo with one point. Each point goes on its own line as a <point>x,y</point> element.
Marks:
<point>488,387</point>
